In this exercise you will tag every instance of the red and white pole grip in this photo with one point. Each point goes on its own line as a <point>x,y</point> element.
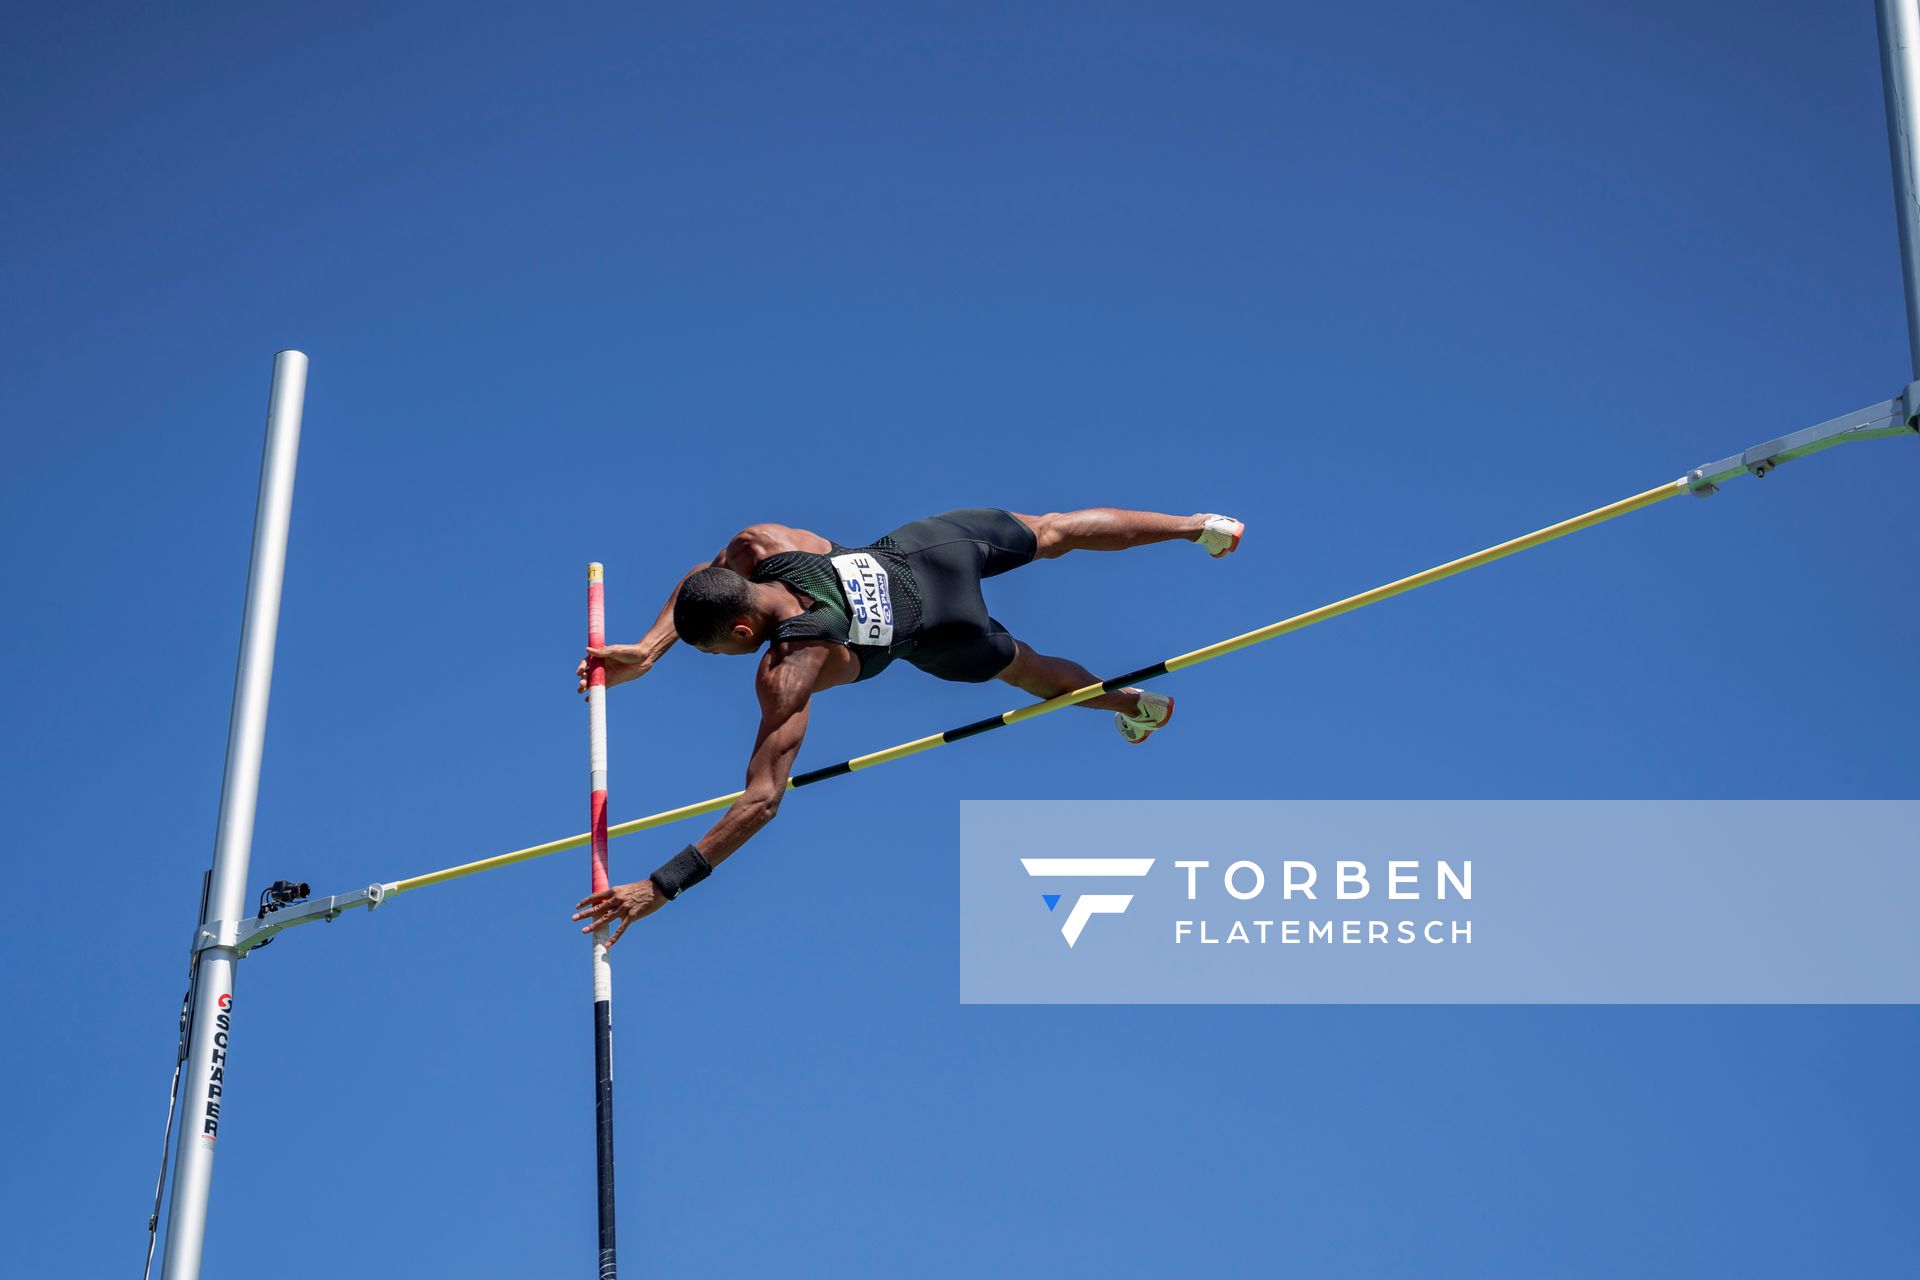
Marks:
<point>597,751</point>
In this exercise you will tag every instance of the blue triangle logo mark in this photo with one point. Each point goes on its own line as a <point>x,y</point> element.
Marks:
<point>1051,899</point>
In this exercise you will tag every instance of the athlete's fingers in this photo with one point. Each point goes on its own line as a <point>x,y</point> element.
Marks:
<point>617,932</point>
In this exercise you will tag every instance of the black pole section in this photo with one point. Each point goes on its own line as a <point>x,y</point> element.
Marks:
<point>603,1128</point>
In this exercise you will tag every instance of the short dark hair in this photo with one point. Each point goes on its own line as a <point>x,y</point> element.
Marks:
<point>709,603</point>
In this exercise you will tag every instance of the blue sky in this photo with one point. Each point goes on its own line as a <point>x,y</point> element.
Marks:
<point>1390,282</point>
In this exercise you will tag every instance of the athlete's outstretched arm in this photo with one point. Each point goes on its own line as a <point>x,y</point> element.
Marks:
<point>786,682</point>
<point>789,675</point>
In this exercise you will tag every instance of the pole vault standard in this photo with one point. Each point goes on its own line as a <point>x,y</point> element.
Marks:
<point>602,971</point>
<point>1899,81</point>
<point>210,1017</point>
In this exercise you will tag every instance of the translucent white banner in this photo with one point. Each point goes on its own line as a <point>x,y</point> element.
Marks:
<point>1440,901</point>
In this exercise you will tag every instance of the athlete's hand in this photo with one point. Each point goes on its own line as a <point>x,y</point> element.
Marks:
<point>624,662</point>
<point>624,903</point>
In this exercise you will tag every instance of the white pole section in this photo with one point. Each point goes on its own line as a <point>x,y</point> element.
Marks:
<point>602,971</point>
<point>1900,79</point>
<point>212,1017</point>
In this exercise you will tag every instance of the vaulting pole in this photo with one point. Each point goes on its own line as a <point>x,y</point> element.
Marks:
<point>211,1018</point>
<point>1900,79</point>
<point>602,971</point>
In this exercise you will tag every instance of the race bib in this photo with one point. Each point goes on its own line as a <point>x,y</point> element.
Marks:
<point>869,601</point>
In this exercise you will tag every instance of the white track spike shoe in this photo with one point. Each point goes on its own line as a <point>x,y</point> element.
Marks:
<point>1154,711</point>
<point>1222,536</point>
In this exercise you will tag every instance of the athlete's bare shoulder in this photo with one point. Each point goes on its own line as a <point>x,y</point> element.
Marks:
<point>758,541</point>
<point>793,670</point>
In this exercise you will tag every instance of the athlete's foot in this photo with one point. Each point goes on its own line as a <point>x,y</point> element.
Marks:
<point>1221,535</point>
<point>1152,713</point>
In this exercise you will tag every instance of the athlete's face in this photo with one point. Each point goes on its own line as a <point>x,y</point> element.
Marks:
<point>742,639</point>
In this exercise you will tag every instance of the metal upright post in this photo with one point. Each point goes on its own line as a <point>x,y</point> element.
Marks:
<point>212,1012</point>
<point>1900,78</point>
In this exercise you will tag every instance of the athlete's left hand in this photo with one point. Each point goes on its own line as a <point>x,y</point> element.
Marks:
<point>624,903</point>
<point>624,662</point>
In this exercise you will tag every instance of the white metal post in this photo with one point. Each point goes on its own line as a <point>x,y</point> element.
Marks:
<point>1900,78</point>
<point>212,1018</point>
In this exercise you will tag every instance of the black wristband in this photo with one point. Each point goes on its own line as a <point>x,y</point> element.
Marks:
<point>682,871</point>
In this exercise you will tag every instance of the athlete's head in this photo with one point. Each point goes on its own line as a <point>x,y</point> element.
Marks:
<point>715,613</point>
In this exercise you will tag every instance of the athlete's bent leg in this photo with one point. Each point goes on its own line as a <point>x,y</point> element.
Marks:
<point>1108,529</point>
<point>1046,677</point>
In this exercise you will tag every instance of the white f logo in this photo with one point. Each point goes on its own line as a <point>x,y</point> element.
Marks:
<point>1088,905</point>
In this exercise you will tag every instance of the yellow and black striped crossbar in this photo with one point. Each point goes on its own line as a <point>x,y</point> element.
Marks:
<point>1019,714</point>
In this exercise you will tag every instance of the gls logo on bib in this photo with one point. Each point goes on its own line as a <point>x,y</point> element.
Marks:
<point>868,599</point>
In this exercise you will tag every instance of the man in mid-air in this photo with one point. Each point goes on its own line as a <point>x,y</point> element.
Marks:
<point>831,615</point>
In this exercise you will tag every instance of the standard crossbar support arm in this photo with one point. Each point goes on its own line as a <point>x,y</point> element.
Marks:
<point>1894,417</point>
<point>242,936</point>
